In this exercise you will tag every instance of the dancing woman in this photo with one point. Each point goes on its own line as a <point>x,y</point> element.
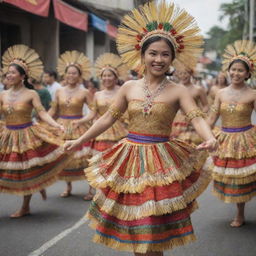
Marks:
<point>147,184</point>
<point>109,68</point>
<point>30,156</point>
<point>181,128</point>
<point>68,107</point>
<point>234,171</point>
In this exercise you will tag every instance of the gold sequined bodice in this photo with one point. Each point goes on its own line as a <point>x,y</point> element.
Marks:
<point>157,122</point>
<point>236,114</point>
<point>74,106</point>
<point>102,105</point>
<point>17,113</point>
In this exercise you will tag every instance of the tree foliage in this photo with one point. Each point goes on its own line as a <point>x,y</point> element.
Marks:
<point>219,38</point>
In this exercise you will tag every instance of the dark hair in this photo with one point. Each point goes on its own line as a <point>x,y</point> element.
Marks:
<point>95,83</point>
<point>245,65</point>
<point>154,39</point>
<point>22,72</point>
<point>51,73</point>
<point>79,71</point>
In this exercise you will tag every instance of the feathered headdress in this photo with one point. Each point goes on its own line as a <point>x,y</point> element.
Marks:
<point>77,59</point>
<point>244,50</point>
<point>159,19</point>
<point>112,62</point>
<point>26,58</point>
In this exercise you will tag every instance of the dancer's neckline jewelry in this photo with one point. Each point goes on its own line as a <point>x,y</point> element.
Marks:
<point>150,96</point>
<point>12,98</point>
<point>69,95</point>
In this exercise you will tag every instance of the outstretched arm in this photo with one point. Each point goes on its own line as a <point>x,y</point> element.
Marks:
<point>195,116</point>
<point>104,122</point>
<point>42,113</point>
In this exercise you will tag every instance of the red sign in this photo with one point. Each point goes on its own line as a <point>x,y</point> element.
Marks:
<point>39,7</point>
<point>111,30</point>
<point>70,15</point>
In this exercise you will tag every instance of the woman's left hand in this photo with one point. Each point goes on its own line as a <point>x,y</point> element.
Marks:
<point>210,144</point>
<point>61,127</point>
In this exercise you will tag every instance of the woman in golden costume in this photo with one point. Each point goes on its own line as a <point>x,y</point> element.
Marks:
<point>30,156</point>
<point>181,128</point>
<point>68,107</point>
<point>109,68</point>
<point>147,184</point>
<point>234,171</point>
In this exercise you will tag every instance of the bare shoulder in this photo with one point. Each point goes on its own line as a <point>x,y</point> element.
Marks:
<point>32,92</point>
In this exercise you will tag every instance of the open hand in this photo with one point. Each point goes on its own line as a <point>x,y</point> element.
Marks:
<point>210,144</point>
<point>71,145</point>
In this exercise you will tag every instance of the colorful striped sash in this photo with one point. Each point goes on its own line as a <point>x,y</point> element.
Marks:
<point>19,126</point>
<point>240,129</point>
<point>71,117</point>
<point>146,138</point>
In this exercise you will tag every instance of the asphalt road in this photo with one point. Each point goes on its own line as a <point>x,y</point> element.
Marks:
<point>56,228</point>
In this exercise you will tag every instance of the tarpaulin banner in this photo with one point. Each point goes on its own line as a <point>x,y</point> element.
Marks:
<point>111,30</point>
<point>70,15</point>
<point>98,23</point>
<point>39,7</point>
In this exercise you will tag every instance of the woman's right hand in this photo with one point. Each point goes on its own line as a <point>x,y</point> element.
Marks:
<point>71,145</point>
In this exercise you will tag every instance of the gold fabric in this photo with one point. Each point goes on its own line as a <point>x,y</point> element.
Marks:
<point>236,115</point>
<point>157,123</point>
<point>17,113</point>
<point>73,107</point>
<point>117,131</point>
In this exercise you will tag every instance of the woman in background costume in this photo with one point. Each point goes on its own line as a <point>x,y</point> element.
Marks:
<point>68,107</point>
<point>234,171</point>
<point>181,128</point>
<point>108,68</point>
<point>30,156</point>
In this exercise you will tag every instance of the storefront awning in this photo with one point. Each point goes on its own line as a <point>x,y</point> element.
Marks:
<point>39,7</point>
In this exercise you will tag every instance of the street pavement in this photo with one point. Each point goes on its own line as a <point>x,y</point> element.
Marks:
<point>56,228</point>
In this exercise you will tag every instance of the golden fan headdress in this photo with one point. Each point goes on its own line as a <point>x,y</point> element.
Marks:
<point>74,58</point>
<point>110,61</point>
<point>183,67</point>
<point>26,58</point>
<point>159,19</point>
<point>244,50</point>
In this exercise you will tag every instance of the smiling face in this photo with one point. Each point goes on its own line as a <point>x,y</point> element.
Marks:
<point>108,78</point>
<point>72,75</point>
<point>238,72</point>
<point>157,58</point>
<point>184,76</point>
<point>13,76</point>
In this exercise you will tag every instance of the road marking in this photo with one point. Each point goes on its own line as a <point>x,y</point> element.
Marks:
<point>57,238</point>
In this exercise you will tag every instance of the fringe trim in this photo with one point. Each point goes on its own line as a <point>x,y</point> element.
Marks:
<point>36,161</point>
<point>137,185</point>
<point>233,199</point>
<point>44,182</point>
<point>151,207</point>
<point>234,180</point>
<point>234,172</point>
<point>85,152</point>
<point>145,247</point>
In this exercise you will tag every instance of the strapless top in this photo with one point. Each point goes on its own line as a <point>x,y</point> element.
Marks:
<point>73,107</point>
<point>157,122</point>
<point>17,113</point>
<point>236,114</point>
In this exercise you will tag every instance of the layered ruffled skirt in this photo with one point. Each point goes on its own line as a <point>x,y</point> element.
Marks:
<point>234,171</point>
<point>147,186</point>
<point>75,169</point>
<point>30,158</point>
